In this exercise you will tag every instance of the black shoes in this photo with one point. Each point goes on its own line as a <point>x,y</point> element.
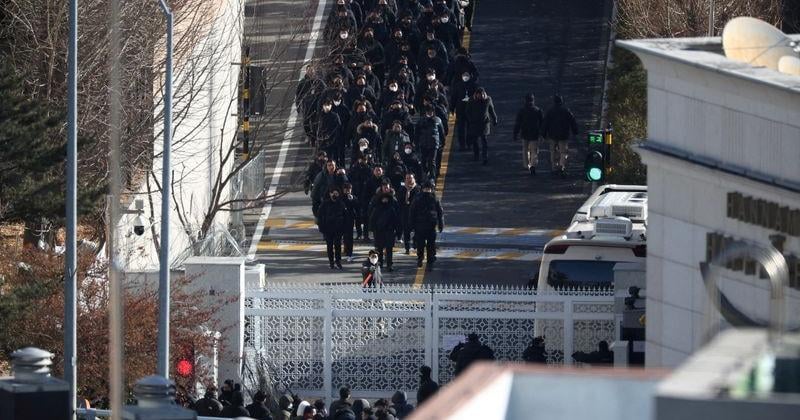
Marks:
<point>339,265</point>
<point>332,266</point>
<point>532,170</point>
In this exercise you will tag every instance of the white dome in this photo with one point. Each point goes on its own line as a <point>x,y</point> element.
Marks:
<point>789,64</point>
<point>754,41</point>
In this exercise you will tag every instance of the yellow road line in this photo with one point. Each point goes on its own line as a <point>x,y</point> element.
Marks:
<point>467,254</point>
<point>514,231</point>
<point>448,147</point>
<point>472,230</point>
<point>509,255</point>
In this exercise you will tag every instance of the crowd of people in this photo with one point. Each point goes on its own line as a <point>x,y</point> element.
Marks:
<point>375,109</point>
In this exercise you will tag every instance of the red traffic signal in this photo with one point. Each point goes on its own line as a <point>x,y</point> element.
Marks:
<point>184,367</point>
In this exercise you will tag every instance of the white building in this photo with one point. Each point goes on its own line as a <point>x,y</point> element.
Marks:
<point>205,92</point>
<point>723,157</point>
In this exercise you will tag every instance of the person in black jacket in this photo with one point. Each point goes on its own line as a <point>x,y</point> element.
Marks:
<point>332,215</point>
<point>535,353</point>
<point>427,386</point>
<point>315,167</point>
<point>528,127</point>
<point>461,89</point>
<point>258,409</point>
<point>430,136</point>
<point>480,116</point>
<point>425,216</point>
<point>236,409</point>
<point>329,130</point>
<point>384,221</point>
<point>405,196</point>
<point>371,186</point>
<point>353,214</point>
<point>209,405</point>
<point>466,353</point>
<point>559,126</point>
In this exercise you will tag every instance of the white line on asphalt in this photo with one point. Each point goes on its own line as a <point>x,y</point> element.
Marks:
<point>287,139</point>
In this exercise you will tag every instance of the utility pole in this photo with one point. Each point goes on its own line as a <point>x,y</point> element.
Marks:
<point>70,270</point>
<point>166,184</point>
<point>710,17</point>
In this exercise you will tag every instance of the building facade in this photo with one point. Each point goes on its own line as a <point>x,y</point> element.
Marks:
<point>723,158</point>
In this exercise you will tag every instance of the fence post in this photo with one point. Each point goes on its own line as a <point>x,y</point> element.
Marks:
<point>327,351</point>
<point>569,330</point>
<point>434,342</point>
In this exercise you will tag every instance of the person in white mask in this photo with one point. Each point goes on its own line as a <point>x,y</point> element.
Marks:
<point>371,271</point>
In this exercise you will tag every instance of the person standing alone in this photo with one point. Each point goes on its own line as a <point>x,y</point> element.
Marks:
<point>480,118</point>
<point>527,127</point>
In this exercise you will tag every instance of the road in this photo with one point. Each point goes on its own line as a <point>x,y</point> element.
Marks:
<point>498,217</point>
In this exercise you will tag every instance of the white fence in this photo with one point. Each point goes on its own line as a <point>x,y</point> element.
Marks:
<point>313,339</point>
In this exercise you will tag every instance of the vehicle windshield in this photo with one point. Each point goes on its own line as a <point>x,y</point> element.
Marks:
<point>580,273</point>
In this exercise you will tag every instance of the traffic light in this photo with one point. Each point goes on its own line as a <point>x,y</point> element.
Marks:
<point>185,362</point>
<point>594,167</point>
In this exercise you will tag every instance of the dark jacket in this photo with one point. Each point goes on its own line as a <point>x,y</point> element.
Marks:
<point>359,174</point>
<point>353,210</point>
<point>208,406</point>
<point>339,405</point>
<point>384,217</point>
<point>232,411</point>
<point>305,87</point>
<point>528,124</point>
<point>394,142</point>
<point>427,387</point>
<point>330,128</point>
<point>426,213</point>
<point>321,183</point>
<point>413,164</point>
<point>559,123</point>
<point>400,405</point>
<point>396,172</point>
<point>259,411</point>
<point>459,90</point>
<point>332,216</point>
<point>534,354</point>
<point>314,168</point>
<point>466,353</point>
<point>405,197</point>
<point>480,116</point>
<point>430,133</point>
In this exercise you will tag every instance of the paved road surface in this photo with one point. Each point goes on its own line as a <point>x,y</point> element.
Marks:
<point>497,216</point>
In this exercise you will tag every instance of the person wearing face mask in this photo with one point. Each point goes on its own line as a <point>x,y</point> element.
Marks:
<point>370,131</point>
<point>371,271</point>
<point>361,114</point>
<point>447,31</point>
<point>343,112</point>
<point>412,162</point>
<point>462,63</point>
<point>322,183</point>
<point>353,214</point>
<point>374,81</point>
<point>460,91</point>
<point>329,129</point>
<point>426,215</point>
<point>361,91</point>
<point>396,137</point>
<point>316,166</point>
<point>431,65</point>
<point>360,172</point>
<point>340,21</point>
<point>390,94</point>
<point>372,49</point>
<point>337,67</point>
<point>430,136</point>
<point>331,219</point>
<point>480,117</point>
<point>384,222</point>
<point>528,127</point>
<point>405,196</point>
<point>397,112</point>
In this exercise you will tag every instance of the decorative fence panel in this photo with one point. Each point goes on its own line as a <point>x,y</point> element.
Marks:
<point>313,339</point>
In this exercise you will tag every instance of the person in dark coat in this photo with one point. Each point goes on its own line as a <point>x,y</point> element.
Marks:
<point>559,126</point>
<point>258,409</point>
<point>462,63</point>
<point>384,221</point>
<point>310,83</point>
<point>425,216</point>
<point>322,182</point>
<point>535,353</point>
<point>603,356</point>
<point>309,107</point>
<point>236,409</point>
<point>528,128</point>
<point>430,134</point>
<point>329,130</point>
<point>461,89</point>
<point>360,90</point>
<point>342,403</point>
<point>332,216</point>
<point>412,162</point>
<point>371,272</point>
<point>480,117</point>
<point>359,174</point>
<point>285,408</point>
<point>353,214</point>
<point>401,405</point>
<point>466,353</point>
<point>427,386</point>
<point>405,196</point>
<point>314,168</point>
<point>371,186</point>
<point>209,405</point>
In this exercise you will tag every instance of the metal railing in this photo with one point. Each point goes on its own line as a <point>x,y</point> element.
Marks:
<point>93,414</point>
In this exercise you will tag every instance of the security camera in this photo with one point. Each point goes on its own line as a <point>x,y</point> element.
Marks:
<point>138,226</point>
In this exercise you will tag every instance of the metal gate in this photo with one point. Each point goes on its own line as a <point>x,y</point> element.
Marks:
<point>313,339</point>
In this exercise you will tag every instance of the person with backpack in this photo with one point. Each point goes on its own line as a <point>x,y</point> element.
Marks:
<point>426,215</point>
<point>528,127</point>
<point>430,136</point>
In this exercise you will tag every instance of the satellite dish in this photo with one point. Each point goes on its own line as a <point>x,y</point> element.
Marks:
<point>755,42</point>
<point>789,64</point>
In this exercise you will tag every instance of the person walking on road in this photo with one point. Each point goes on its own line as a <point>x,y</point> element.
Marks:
<point>406,195</point>
<point>480,117</point>
<point>430,136</point>
<point>528,127</point>
<point>353,214</point>
<point>559,126</point>
<point>322,182</point>
<point>329,130</point>
<point>384,221</point>
<point>332,219</point>
<point>426,215</point>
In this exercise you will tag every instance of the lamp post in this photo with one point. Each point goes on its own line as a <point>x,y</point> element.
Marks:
<point>166,184</point>
<point>70,271</point>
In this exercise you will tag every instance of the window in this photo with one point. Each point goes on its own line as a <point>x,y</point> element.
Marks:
<point>580,273</point>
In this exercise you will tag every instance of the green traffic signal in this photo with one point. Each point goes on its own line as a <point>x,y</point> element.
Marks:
<point>594,167</point>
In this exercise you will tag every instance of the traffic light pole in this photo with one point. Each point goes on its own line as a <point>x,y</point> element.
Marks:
<point>70,269</point>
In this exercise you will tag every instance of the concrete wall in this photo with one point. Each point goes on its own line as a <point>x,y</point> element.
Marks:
<point>205,84</point>
<point>709,114</point>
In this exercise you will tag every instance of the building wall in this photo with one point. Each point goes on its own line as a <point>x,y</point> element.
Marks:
<point>205,92</point>
<point>713,115</point>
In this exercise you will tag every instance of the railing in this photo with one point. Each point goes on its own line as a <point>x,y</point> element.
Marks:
<point>93,414</point>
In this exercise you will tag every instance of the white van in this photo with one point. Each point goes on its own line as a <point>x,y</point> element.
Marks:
<point>610,227</point>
